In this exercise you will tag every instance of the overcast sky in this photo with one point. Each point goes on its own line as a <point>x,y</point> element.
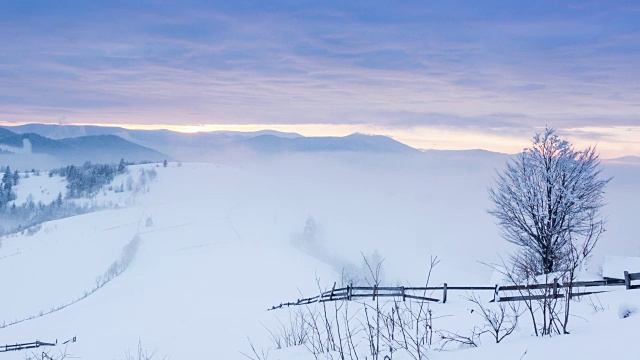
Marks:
<point>433,74</point>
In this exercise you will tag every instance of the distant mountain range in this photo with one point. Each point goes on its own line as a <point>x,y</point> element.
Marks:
<point>350,143</point>
<point>116,142</point>
<point>630,159</point>
<point>57,132</point>
<point>95,148</point>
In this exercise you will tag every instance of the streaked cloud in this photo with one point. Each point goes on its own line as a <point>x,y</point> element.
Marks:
<point>481,69</point>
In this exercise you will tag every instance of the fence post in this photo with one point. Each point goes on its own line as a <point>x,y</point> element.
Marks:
<point>375,291</point>
<point>404,296</point>
<point>496,294</point>
<point>627,280</point>
<point>444,293</point>
<point>555,288</point>
<point>332,289</point>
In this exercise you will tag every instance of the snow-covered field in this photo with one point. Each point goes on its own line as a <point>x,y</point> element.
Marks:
<point>217,250</point>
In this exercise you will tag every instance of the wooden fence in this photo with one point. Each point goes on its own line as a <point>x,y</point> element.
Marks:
<point>31,345</point>
<point>420,293</point>
<point>630,277</point>
<point>525,291</point>
<point>23,346</point>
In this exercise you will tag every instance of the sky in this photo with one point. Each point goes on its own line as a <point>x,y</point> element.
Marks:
<point>432,74</point>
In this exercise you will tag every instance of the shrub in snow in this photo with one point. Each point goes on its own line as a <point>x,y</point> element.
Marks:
<point>33,230</point>
<point>142,354</point>
<point>625,310</point>
<point>118,267</point>
<point>500,319</point>
<point>129,183</point>
<point>152,174</point>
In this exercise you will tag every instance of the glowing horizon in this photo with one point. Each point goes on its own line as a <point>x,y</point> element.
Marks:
<point>613,143</point>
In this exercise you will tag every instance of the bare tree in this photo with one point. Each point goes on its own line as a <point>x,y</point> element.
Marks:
<point>548,200</point>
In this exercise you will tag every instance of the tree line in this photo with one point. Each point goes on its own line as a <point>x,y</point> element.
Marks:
<point>9,180</point>
<point>83,181</point>
<point>88,179</point>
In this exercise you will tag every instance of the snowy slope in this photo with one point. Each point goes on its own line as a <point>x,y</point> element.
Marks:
<point>41,188</point>
<point>219,252</point>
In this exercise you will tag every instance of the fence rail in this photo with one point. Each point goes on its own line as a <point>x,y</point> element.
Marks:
<point>31,345</point>
<point>420,293</point>
<point>23,346</point>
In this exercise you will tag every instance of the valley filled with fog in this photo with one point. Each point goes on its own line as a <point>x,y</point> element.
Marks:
<point>190,262</point>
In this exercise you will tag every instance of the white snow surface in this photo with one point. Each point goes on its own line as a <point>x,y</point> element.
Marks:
<point>219,253</point>
<point>41,188</point>
<point>615,266</point>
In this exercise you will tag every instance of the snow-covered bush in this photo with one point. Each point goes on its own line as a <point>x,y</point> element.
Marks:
<point>626,310</point>
<point>30,231</point>
<point>362,275</point>
<point>119,266</point>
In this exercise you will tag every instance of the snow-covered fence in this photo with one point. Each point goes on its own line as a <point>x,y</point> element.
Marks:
<point>373,292</point>
<point>420,293</point>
